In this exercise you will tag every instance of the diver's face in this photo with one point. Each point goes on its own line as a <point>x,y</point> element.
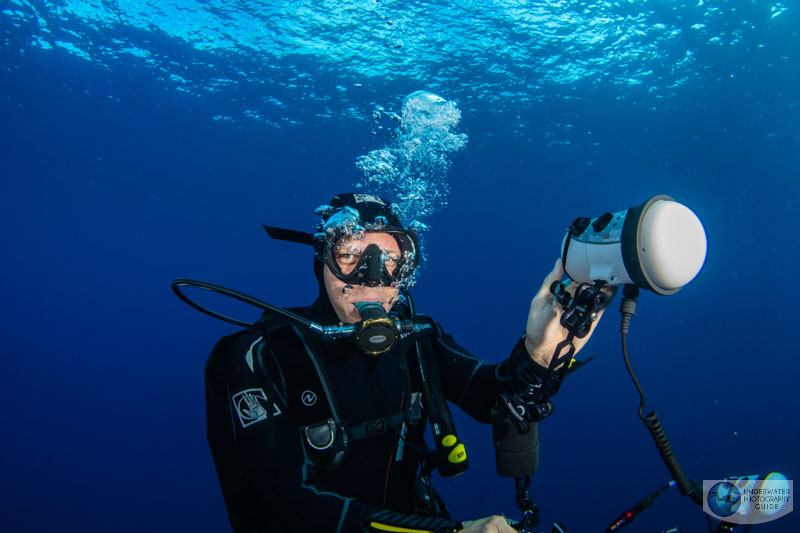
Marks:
<point>344,299</point>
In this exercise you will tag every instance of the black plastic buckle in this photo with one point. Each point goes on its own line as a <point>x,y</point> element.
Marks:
<point>375,426</point>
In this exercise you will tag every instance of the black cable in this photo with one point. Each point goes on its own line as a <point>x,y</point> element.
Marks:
<point>633,376</point>
<point>651,421</point>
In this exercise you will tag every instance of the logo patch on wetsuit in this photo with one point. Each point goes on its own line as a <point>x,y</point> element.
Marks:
<point>252,405</point>
<point>309,398</point>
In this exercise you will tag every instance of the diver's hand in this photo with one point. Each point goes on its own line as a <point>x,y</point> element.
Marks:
<point>544,330</point>
<point>491,524</point>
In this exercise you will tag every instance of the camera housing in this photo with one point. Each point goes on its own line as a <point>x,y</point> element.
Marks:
<point>659,246</point>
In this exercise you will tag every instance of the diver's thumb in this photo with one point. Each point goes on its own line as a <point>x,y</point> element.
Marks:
<point>555,275</point>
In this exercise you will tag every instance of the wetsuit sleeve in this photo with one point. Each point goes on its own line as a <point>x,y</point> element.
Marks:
<point>474,385</point>
<point>260,458</point>
<point>468,382</point>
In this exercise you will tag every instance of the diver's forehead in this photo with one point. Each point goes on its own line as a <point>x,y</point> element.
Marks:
<point>384,240</point>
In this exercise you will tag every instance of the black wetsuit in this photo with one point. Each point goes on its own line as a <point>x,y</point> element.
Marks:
<point>268,478</point>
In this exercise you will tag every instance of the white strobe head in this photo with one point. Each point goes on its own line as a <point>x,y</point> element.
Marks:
<point>671,245</point>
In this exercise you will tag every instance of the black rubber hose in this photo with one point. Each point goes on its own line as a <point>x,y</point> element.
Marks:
<point>236,295</point>
<point>438,409</point>
<point>435,381</point>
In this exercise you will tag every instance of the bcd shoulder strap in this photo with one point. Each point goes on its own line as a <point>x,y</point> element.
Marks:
<point>309,395</point>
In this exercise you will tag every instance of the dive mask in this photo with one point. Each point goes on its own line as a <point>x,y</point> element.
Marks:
<point>339,241</point>
<point>353,263</point>
<point>339,244</point>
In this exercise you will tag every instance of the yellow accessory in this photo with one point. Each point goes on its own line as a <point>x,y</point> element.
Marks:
<point>396,529</point>
<point>458,455</point>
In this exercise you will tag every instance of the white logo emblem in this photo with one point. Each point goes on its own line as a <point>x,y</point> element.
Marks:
<point>309,398</point>
<point>368,198</point>
<point>251,406</point>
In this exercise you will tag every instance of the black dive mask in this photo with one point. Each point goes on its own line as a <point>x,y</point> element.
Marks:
<point>339,241</point>
<point>372,266</point>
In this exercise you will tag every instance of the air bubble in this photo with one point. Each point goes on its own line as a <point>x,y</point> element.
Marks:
<point>413,168</point>
<point>324,210</point>
<point>418,227</point>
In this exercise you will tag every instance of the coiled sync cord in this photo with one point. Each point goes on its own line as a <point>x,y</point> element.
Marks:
<point>651,421</point>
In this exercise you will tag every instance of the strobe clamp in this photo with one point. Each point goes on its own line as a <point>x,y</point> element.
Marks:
<point>580,310</point>
<point>522,409</point>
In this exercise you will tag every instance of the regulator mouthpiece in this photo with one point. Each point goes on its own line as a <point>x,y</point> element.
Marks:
<point>659,245</point>
<point>376,333</point>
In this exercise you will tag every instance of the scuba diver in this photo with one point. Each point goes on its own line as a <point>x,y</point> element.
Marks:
<point>316,415</point>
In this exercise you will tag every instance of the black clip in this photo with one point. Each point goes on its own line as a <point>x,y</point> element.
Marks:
<point>375,426</point>
<point>581,309</point>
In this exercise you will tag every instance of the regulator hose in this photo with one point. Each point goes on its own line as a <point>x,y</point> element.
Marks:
<point>236,295</point>
<point>450,452</point>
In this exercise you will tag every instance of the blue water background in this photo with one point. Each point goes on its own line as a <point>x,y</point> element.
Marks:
<point>145,142</point>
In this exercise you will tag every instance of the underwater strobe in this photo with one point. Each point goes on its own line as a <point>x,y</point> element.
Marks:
<point>659,246</point>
